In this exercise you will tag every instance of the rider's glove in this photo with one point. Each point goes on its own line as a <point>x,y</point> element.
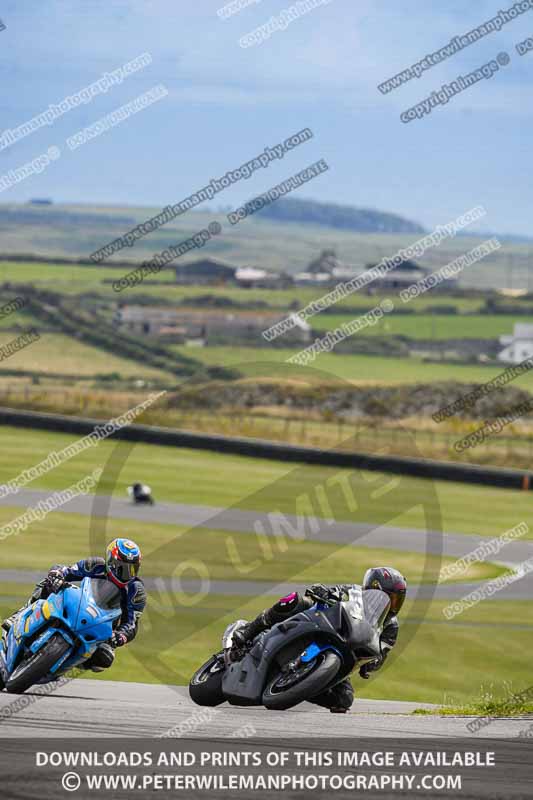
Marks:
<point>319,592</point>
<point>118,640</point>
<point>238,648</point>
<point>54,580</point>
<point>369,667</point>
<point>239,638</point>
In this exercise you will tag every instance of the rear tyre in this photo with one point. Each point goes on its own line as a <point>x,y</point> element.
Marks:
<point>287,689</point>
<point>37,665</point>
<point>205,688</point>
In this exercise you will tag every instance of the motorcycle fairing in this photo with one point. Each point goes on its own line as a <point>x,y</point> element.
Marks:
<point>366,612</point>
<point>74,613</point>
<point>243,681</point>
<point>227,638</point>
<point>351,628</point>
<point>91,619</point>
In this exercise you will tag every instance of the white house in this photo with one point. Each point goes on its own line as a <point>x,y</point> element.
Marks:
<point>312,278</point>
<point>250,277</point>
<point>518,345</point>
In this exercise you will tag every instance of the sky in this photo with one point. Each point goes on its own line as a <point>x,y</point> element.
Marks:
<point>227,103</point>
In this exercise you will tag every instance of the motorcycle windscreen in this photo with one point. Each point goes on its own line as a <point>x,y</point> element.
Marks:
<point>369,605</point>
<point>105,594</point>
<point>376,606</point>
<point>366,616</point>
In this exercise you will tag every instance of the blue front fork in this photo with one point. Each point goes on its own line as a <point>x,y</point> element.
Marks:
<point>313,650</point>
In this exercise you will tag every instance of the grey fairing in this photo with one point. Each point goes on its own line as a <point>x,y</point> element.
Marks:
<point>361,616</point>
<point>244,681</point>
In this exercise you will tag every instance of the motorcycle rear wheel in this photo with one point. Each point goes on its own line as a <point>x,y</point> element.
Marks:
<point>205,687</point>
<point>37,665</point>
<point>281,694</point>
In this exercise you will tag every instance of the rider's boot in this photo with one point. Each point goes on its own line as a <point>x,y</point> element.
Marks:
<point>101,659</point>
<point>249,631</point>
<point>338,699</point>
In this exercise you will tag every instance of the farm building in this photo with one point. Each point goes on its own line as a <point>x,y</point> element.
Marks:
<point>206,327</point>
<point>334,272</point>
<point>313,278</point>
<point>252,278</point>
<point>399,277</point>
<point>205,271</point>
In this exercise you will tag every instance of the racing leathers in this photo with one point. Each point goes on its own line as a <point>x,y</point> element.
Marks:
<point>338,698</point>
<point>132,598</point>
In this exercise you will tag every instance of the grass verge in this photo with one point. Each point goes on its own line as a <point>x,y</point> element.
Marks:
<point>193,476</point>
<point>488,705</point>
<point>65,538</point>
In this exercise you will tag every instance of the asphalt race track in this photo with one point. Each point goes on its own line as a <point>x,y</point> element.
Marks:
<point>99,708</point>
<point>239,521</point>
<point>95,716</point>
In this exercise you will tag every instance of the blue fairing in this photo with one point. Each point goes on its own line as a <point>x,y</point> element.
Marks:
<point>313,650</point>
<point>76,613</point>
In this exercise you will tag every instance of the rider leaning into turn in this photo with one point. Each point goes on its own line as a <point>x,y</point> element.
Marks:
<point>340,697</point>
<point>121,567</point>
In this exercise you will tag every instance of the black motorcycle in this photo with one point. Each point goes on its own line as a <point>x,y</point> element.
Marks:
<point>297,659</point>
<point>141,493</point>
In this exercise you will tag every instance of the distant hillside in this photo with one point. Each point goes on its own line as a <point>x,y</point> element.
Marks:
<point>60,217</point>
<point>346,218</point>
<point>72,232</point>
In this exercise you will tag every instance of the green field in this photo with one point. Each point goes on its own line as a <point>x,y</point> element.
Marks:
<point>257,241</point>
<point>428,326</point>
<point>71,279</point>
<point>263,362</point>
<point>67,356</point>
<point>65,538</point>
<point>58,353</point>
<point>283,298</point>
<point>197,477</point>
<point>483,650</point>
<point>64,278</point>
<point>19,321</point>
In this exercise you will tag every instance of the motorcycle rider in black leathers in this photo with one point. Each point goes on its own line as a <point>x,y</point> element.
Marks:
<point>141,493</point>
<point>340,697</point>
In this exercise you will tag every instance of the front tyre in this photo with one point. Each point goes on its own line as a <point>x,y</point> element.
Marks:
<point>288,688</point>
<point>205,687</point>
<point>37,665</point>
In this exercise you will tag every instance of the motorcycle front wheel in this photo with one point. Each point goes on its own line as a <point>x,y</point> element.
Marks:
<point>288,688</point>
<point>37,665</point>
<point>205,687</point>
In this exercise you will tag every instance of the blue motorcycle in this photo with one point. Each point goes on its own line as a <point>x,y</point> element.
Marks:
<point>51,636</point>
